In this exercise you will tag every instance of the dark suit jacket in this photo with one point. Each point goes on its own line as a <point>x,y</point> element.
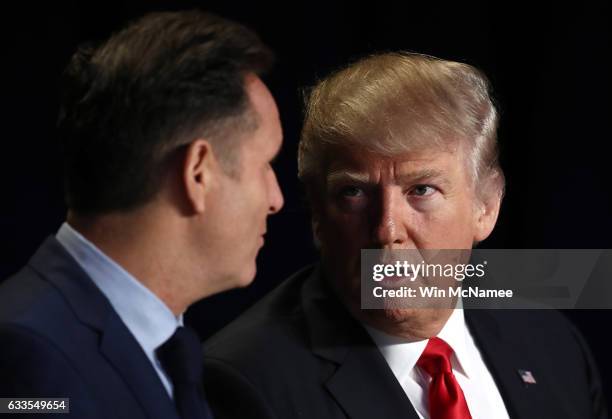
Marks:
<point>60,337</point>
<point>298,354</point>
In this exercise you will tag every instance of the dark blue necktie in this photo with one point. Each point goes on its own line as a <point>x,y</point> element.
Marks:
<point>181,357</point>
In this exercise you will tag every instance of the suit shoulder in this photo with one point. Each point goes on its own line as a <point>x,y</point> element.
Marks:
<point>28,302</point>
<point>534,324</point>
<point>273,332</point>
<point>26,297</point>
<point>277,318</point>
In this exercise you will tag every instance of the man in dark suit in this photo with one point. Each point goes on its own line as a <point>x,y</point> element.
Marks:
<point>168,134</point>
<point>398,151</point>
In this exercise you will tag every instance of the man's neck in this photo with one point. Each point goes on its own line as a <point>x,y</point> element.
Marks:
<point>145,248</point>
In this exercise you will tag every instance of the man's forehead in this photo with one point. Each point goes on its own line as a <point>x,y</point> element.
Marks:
<point>363,166</point>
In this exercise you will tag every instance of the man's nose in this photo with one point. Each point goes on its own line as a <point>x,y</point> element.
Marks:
<point>389,225</point>
<point>275,195</point>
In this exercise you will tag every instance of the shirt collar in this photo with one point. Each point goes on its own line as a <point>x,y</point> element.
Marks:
<point>402,353</point>
<point>145,315</point>
<point>455,333</point>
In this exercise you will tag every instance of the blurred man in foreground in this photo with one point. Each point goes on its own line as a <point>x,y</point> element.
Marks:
<point>168,133</point>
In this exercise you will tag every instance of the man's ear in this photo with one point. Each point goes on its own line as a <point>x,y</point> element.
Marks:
<point>199,168</point>
<point>486,213</point>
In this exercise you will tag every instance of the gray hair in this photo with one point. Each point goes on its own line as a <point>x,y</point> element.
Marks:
<point>395,103</point>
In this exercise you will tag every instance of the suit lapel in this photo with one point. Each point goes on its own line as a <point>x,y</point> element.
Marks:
<point>117,344</point>
<point>365,387</point>
<point>362,384</point>
<point>120,348</point>
<point>504,360</point>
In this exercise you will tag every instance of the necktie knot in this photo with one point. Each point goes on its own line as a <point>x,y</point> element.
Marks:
<point>446,399</point>
<point>435,359</point>
<point>181,357</point>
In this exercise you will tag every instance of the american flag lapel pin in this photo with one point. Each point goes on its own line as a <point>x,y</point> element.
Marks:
<point>527,377</point>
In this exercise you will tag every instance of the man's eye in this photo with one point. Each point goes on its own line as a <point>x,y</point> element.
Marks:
<point>422,190</point>
<point>350,192</point>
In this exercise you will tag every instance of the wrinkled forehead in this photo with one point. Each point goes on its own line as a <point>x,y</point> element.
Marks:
<point>365,165</point>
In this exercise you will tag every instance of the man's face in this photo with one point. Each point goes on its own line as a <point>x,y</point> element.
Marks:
<point>422,200</point>
<point>240,204</point>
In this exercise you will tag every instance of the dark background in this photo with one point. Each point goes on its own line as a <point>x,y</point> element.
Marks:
<point>550,67</point>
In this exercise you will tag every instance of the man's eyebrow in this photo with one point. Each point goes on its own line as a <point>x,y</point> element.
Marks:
<point>346,176</point>
<point>422,176</point>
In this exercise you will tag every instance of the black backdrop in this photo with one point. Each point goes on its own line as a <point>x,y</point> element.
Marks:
<point>550,67</point>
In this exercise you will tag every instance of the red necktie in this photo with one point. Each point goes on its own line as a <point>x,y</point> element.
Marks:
<point>446,400</point>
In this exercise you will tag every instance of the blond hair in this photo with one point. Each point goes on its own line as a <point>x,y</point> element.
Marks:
<point>395,103</point>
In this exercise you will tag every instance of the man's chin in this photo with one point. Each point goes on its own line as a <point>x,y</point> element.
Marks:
<point>402,315</point>
<point>245,269</point>
<point>418,323</point>
<point>246,278</point>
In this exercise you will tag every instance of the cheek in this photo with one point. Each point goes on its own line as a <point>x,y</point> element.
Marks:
<point>341,237</point>
<point>254,193</point>
<point>447,229</point>
<point>347,230</point>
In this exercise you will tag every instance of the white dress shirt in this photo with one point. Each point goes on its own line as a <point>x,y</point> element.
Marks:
<point>481,393</point>
<point>149,320</point>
